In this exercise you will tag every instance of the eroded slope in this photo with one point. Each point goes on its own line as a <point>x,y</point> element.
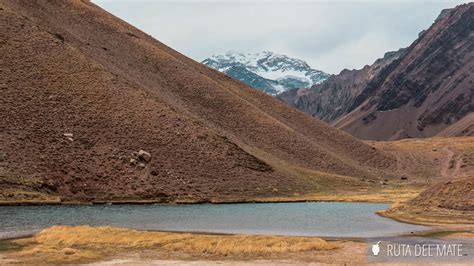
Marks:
<point>83,91</point>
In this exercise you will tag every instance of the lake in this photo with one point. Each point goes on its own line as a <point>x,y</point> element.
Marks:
<point>327,219</point>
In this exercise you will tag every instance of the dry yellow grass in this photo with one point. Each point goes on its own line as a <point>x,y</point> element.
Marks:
<point>388,195</point>
<point>427,144</point>
<point>461,235</point>
<point>432,216</point>
<point>66,244</point>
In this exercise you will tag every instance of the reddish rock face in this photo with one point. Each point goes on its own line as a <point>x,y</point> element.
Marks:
<point>422,91</point>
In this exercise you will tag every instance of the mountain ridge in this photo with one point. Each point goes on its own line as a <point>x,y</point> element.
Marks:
<point>423,91</point>
<point>335,96</point>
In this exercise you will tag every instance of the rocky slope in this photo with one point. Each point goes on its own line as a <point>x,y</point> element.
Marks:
<point>92,109</point>
<point>267,71</point>
<point>427,89</point>
<point>332,98</point>
<point>464,127</point>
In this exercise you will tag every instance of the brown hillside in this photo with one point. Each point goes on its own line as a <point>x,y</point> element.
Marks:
<point>449,198</point>
<point>464,127</point>
<point>454,194</point>
<point>450,201</point>
<point>82,91</point>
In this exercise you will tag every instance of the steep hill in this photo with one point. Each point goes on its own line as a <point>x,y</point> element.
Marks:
<point>267,71</point>
<point>94,109</point>
<point>425,90</point>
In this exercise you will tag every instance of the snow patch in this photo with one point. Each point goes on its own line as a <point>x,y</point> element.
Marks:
<point>284,70</point>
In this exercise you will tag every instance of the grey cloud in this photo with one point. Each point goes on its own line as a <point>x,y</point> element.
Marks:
<point>328,35</point>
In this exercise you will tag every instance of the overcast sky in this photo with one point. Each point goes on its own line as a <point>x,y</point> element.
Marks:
<point>329,35</point>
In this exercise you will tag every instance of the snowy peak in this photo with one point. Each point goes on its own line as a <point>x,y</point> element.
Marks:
<point>270,72</point>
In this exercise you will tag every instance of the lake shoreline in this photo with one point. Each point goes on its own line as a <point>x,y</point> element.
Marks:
<point>153,202</point>
<point>367,198</point>
<point>379,196</point>
<point>343,198</point>
<point>423,233</point>
<point>322,219</point>
<point>73,244</point>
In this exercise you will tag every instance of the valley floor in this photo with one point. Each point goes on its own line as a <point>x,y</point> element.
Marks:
<point>423,163</point>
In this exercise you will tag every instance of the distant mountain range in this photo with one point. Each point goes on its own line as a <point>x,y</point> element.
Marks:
<point>267,71</point>
<point>424,90</point>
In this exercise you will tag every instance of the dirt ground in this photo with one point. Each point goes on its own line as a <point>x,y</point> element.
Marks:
<point>347,252</point>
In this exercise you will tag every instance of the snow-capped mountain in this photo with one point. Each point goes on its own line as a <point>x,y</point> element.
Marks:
<point>267,71</point>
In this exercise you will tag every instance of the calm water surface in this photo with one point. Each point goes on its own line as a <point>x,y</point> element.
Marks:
<point>330,219</point>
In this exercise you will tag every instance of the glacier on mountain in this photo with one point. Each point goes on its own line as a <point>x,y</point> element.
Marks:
<point>267,71</point>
